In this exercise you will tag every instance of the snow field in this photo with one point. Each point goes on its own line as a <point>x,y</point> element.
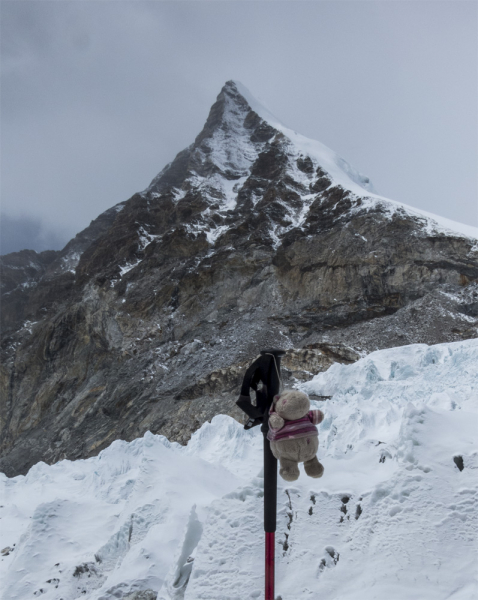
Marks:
<point>393,515</point>
<point>116,517</point>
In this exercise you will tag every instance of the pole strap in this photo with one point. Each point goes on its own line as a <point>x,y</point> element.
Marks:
<point>281,387</point>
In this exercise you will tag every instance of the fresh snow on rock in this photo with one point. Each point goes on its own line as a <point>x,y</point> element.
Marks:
<point>394,515</point>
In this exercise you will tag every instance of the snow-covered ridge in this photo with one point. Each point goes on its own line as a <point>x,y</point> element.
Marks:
<point>340,170</point>
<point>347,176</point>
<point>393,515</point>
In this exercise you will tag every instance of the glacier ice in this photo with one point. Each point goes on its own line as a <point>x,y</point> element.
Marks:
<point>393,515</point>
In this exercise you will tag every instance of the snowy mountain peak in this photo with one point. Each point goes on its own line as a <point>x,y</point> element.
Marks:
<point>240,94</point>
<point>238,100</point>
<point>238,131</point>
<point>233,106</point>
<point>245,160</point>
<point>245,157</point>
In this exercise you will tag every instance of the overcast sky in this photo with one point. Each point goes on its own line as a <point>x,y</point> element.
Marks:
<point>98,96</point>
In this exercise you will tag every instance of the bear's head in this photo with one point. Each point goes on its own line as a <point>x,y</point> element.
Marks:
<point>292,405</point>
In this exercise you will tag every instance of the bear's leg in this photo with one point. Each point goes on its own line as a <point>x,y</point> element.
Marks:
<point>289,470</point>
<point>314,468</point>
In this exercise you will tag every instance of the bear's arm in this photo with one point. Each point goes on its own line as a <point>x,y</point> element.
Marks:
<point>315,416</point>
<point>276,422</point>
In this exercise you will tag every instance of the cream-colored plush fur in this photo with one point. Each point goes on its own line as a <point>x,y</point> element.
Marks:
<point>290,406</point>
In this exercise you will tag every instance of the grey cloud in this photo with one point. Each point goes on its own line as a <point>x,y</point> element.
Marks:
<point>27,233</point>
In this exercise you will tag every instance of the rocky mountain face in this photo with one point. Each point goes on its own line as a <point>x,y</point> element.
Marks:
<point>254,236</point>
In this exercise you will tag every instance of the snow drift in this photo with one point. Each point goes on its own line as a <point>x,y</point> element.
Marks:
<point>392,517</point>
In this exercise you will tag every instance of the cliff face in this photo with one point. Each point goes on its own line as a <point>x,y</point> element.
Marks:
<point>253,236</point>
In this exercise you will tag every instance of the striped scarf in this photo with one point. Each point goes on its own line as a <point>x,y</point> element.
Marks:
<point>298,428</point>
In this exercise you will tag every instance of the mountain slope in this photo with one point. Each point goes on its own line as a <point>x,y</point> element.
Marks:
<point>393,516</point>
<point>253,236</point>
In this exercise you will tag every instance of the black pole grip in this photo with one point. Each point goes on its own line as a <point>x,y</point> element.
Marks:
<point>270,462</point>
<point>265,369</point>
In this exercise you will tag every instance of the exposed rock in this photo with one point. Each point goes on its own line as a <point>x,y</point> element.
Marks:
<point>32,283</point>
<point>149,317</point>
<point>142,595</point>
<point>24,268</point>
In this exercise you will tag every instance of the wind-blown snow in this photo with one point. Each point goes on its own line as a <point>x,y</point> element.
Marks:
<point>393,516</point>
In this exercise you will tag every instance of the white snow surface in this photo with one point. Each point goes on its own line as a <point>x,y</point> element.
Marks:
<point>393,516</point>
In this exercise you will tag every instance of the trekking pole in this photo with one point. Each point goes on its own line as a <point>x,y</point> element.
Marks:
<point>265,369</point>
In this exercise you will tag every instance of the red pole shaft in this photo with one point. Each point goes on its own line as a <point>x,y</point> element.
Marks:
<point>270,565</point>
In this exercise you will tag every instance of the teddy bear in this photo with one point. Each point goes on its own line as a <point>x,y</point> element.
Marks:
<point>293,434</point>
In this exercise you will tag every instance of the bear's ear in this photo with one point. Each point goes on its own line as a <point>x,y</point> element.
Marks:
<point>276,422</point>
